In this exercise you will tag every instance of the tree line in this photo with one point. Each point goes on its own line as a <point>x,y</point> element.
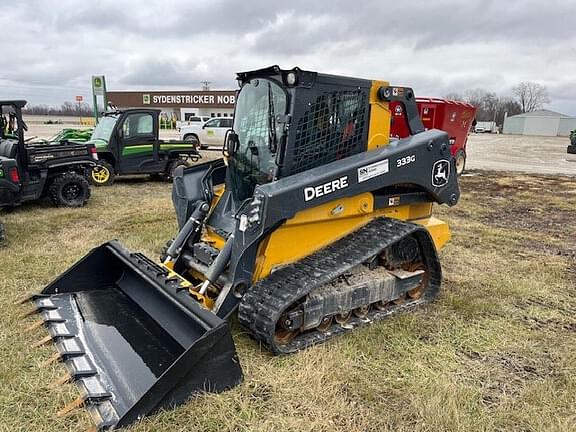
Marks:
<point>527,96</point>
<point>66,109</point>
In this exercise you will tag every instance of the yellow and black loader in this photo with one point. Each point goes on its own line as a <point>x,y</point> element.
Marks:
<point>313,223</point>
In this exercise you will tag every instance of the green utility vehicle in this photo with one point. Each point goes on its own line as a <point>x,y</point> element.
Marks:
<point>127,143</point>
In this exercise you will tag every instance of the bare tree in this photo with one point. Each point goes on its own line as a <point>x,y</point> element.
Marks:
<point>453,96</point>
<point>486,103</point>
<point>531,95</point>
<point>507,106</point>
<point>66,109</point>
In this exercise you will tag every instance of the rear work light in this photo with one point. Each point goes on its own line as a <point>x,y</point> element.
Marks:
<point>13,174</point>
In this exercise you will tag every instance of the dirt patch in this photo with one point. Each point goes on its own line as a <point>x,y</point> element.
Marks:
<point>504,374</point>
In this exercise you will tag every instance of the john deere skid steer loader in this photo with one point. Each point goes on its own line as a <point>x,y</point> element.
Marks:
<point>313,224</point>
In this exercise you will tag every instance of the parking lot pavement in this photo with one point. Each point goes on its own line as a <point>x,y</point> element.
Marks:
<point>531,154</point>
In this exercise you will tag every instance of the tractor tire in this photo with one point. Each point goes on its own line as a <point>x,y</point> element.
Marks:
<point>102,174</point>
<point>193,139</point>
<point>460,161</point>
<point>69,189</point>
<point>571,149</point>
<point>169,174</point>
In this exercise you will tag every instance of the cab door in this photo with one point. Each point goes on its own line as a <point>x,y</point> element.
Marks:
<point>138,143</point>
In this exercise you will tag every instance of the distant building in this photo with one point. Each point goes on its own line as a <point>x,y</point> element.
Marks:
<point>183,104</point>
<point>541,122</point>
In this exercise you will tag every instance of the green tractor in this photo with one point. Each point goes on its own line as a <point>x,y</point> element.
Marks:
<point>127,143</point>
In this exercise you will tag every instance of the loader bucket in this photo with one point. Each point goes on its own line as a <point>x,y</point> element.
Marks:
<point>131,338</point>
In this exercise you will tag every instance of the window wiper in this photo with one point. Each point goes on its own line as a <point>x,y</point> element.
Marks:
<point>271,121</point>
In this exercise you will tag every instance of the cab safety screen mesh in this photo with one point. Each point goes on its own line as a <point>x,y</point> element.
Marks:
<point>332,128</point>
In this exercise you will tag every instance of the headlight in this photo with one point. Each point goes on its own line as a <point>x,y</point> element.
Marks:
<point>291,78</point>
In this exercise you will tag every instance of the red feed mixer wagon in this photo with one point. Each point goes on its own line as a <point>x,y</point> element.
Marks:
<point>453,117</point>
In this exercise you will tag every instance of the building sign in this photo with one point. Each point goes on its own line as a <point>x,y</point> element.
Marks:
<point>197,99</point>
<point>174,99</point>
<point>98,85</point>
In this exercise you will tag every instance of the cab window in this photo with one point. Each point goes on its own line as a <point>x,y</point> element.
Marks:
<point>213,123</point>
<point>138,124</point>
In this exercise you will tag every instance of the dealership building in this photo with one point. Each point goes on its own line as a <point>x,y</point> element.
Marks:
<point>183,104</point>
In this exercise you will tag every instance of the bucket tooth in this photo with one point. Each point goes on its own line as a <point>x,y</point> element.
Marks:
<point>64,379</point>
<point>35,325</point>
<point>30,312</point>
<point>41,303</point>
<point>69,408</point>
<point>70,347</point>
<point>42,342</point>
<point>27,298</point>
<point>60,330</point>
<point>80,367</point>
<point>54,358</point>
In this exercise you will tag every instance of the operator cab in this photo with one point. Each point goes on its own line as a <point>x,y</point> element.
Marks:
<point>331,119</point>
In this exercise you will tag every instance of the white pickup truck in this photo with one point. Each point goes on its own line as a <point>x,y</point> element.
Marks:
<point>211,133</point>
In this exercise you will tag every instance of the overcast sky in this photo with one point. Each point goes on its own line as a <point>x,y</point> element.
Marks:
<point>51,48</point>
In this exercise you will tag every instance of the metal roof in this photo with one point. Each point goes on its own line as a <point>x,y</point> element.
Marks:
<point>541,113</point>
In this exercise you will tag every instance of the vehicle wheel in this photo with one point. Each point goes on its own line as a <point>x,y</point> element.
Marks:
<point>169,175</point>
<point>102,174</point>
<point>156,177</point>
<point>69,190</point>
<point>460,162</point>
<point>191,138</point>
<point>571,149</point>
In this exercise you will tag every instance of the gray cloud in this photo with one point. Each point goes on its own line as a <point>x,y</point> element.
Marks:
<point>436,47</point>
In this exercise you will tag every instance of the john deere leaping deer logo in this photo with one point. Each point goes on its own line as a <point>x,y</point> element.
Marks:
<point>440,173</point>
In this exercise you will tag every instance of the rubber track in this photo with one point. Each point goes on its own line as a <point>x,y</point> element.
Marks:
<point>265,302</point>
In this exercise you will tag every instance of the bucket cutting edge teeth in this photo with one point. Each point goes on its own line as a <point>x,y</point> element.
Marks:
<point>54,358</point>
<point>69,408</point>
<point>25,299</point>
<point>35,325</point>
<point>31,311</point>
<point>42,342</point>
<point>64,379</point>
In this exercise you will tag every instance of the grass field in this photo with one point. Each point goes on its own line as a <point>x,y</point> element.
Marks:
<point>495,352</point>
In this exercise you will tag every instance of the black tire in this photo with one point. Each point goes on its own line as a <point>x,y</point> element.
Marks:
<point>460,161</point>
<point>193,139</point>
<point>571,149</point>
<point>69,189</point>
<point>169,174</point>
<point>157,177</point>
<point>102,174</point>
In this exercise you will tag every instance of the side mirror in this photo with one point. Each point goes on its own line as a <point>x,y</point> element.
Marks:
<point>204,126</point>
<point>230,143</point>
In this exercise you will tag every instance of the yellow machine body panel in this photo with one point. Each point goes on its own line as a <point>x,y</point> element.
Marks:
<point>379,129</point>
<point>312,229</point>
